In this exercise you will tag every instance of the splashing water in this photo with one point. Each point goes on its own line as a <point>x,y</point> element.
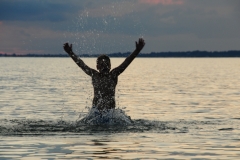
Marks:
<point>104,30</point>
<point>106,117</point>
<point>110,121</point>
<point>96,121</point>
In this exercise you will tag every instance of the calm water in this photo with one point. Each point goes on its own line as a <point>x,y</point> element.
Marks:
<point>181,109</point>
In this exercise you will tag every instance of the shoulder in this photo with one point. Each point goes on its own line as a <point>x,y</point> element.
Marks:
<point>114,73</point>
<point>95,73</point>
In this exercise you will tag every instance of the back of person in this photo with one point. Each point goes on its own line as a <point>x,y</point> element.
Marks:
<point>104,90</point>
<point>104,80</point>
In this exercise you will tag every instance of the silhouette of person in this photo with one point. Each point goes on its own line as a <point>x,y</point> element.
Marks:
<point>104,80</point>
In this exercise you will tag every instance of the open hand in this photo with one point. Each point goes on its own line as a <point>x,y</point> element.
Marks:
<point>140,44</point>
<point>67,48</point>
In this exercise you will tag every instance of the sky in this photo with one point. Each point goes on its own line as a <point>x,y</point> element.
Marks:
<point>110,26</point>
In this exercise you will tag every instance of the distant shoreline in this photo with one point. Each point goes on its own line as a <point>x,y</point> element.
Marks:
<point>196,54</point>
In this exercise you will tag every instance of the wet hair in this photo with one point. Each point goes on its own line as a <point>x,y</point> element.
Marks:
<point>103,57</point>
<point>104,60</point>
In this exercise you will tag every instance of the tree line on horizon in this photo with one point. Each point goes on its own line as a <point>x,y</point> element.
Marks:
<point>152,54</point>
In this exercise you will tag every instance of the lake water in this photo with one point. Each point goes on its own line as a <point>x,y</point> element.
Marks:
<point>182,108</point>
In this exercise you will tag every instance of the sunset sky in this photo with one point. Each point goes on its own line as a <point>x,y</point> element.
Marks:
<point>107,26</point>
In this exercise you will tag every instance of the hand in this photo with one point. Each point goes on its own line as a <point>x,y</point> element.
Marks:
<point>67,48</point>
<point>140,44</point>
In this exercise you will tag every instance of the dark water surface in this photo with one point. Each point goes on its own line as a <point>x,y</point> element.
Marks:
<point>180,109</point>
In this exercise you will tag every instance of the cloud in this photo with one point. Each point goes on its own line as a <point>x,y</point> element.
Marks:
<point>163,2</point>
<point>27,10</point>
<point>108,26</point>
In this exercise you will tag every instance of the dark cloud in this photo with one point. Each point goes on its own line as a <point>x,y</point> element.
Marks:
<point>27,10</point>
<point>203,21</point>
<point>113,25</point>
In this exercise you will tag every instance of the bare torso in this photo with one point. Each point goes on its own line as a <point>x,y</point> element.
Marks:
<point>104,90</point>
<point>104,84</point>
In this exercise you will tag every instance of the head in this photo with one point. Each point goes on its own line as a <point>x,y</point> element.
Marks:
<point>103,63</point>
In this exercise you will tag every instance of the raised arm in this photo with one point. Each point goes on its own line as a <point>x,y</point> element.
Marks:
<point>139,46</point>
<point>89,71</point>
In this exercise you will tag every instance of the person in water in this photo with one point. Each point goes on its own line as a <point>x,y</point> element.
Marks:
<point>104,80</point>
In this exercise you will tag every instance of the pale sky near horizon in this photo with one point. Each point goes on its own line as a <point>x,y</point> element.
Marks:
<point>108,26</point>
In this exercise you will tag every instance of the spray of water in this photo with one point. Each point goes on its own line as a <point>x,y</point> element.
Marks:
<point>100,34</point>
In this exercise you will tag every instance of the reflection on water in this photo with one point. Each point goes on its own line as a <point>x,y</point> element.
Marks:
<point>180,109</point>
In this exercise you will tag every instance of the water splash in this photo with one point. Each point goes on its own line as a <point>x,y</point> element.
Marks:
<point>89,125</point>
<point>94,31</point>
<point>106,117</point>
